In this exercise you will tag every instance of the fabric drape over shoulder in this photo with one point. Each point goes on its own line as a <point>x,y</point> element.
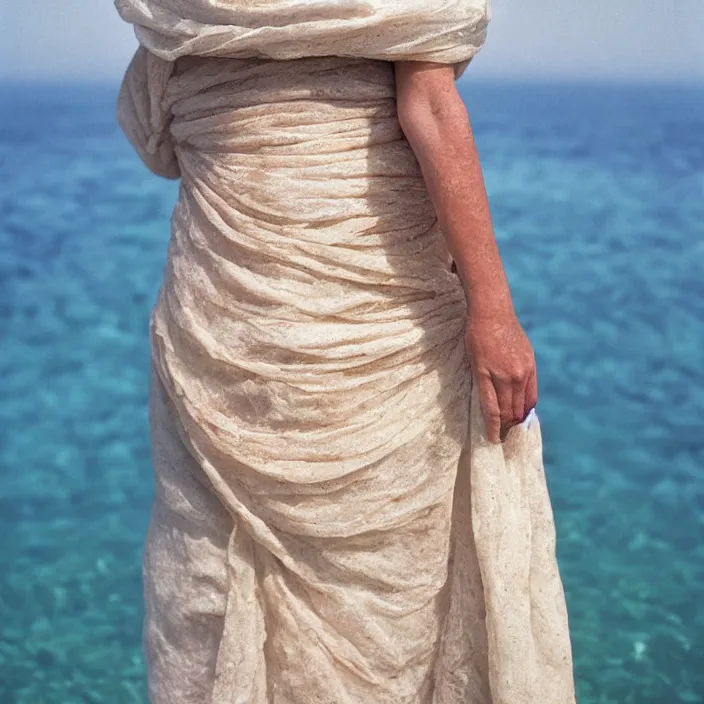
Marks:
<point>331,524</point>
<point>446,31</point>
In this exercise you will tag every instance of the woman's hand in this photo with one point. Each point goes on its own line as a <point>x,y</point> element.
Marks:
<point>503,364</point>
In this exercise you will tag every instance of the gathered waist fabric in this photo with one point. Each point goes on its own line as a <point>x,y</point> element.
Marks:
<point>306,278</point>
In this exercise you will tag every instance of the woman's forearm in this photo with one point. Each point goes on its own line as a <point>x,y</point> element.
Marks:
<point>436,125</point>
<point>435,122</point>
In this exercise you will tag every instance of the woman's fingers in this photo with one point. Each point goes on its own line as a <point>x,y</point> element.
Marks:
<point>519,402</point>
<point>504,393</point>
<point>490,408</point>
<point>516,396</point>
<point>531,395</point>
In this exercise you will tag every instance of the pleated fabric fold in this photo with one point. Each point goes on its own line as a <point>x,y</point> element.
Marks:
<point>331,524</point>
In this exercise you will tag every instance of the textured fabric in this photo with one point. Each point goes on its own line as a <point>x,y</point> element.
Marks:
<point>331,525</point>
<point>447,31</point>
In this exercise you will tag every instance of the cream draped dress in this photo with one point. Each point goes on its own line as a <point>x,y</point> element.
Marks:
<point>331,525</point>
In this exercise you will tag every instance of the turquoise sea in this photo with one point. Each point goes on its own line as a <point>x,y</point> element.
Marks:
<point>598,200</point>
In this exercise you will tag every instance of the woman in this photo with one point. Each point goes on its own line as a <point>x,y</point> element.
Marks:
<point>316,429</point>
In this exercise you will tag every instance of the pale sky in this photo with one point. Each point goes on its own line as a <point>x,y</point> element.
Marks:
<point>660,40</point>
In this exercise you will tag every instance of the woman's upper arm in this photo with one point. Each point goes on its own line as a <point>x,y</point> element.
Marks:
<point>426,90</point>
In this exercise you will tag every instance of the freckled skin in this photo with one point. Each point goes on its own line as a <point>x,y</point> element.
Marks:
<point>436,124</point>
